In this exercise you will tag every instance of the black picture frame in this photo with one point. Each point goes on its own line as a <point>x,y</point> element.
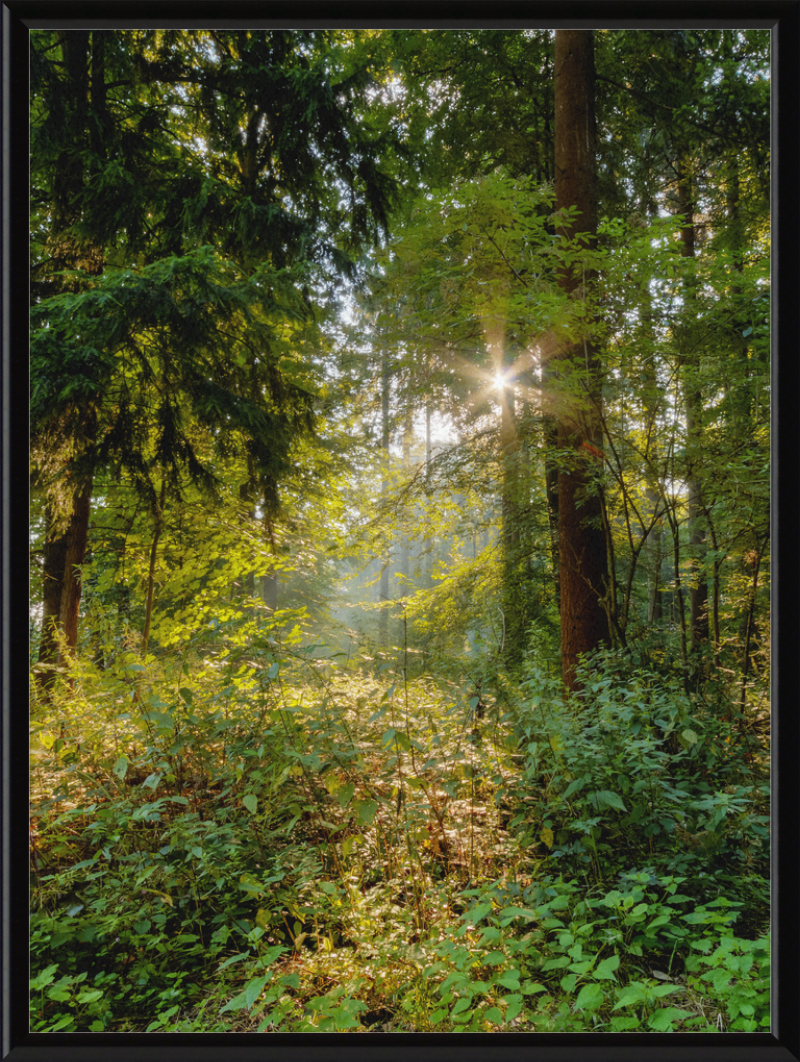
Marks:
<point>18,17</point>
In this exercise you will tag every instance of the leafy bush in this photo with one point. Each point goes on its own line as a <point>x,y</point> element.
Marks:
<point>632,771</point>
<point>291,847</point>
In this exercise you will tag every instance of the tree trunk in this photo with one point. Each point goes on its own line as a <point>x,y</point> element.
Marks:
<point>383,587</point>
<point>269,583</point>
<point>514,611</point>
<point>582,548</point>
<point>654,548</point>
<point>427,549</point>
<point>698,586</point>
<point>655,554</point>
<point>151,572</point>
<point>551,487</point>
<point>65,550</point>
<point>77,538</point>
<point>64,554</point>
<point>405,552</point>
<point>55,559</point>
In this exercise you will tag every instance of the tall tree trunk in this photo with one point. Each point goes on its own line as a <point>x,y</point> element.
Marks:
<point>655,555</point>
<point>64,555</point>
<point>512,589</point>
<point>269,583</point>
<point>246,496</point>
<point>65,546</point>
<point>405,553</point>
<point>551,481</point>
<point>427,552</point>
<point>654,548</point>
<point>55,559</point>
<point>583,562</point>
<point>383,586</point>
<point>698,586</point>
<point>77,539</point>
<point>151,571</point>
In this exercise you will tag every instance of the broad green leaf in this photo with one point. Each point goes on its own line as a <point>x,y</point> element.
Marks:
<point>235,958</point>
<point>663,1020</point>
<point>250,801</point>
<point>477,914</point>
<point>662,920</point>
<point>557,964</point>
<point>246,999</point>
<point>494,958</point>
<point>366,810</point>
<point>630,996</point>
<point>508,914</point>
<point>605,969</point>
<point>604,798</point>
<point>573,787</point>
<point>90,995</point>
<point>46,977</point>
<point>513,1009</point>
<point>620,1024</point>
<point>590,997</point>
<point>531,988</point>
<point>62,1023</point>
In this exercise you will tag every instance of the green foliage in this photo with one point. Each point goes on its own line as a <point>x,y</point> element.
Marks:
<point>231,822</point>
<point>677,792</point>
<point>297,383</point>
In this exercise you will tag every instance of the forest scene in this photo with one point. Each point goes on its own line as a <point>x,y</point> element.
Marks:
<point>400,531</point>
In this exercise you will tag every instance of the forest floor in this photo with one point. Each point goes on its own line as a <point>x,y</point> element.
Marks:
<point>356,851</point>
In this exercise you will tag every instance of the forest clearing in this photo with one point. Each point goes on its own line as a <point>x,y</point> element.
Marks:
<point>400,531</point>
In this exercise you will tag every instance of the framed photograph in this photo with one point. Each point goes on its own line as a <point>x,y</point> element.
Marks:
<point>409,393</point>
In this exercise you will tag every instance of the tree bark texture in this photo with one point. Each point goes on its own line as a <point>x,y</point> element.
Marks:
<point>583,562</point>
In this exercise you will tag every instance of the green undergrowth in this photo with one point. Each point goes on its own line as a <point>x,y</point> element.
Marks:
<point>254,839</point>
